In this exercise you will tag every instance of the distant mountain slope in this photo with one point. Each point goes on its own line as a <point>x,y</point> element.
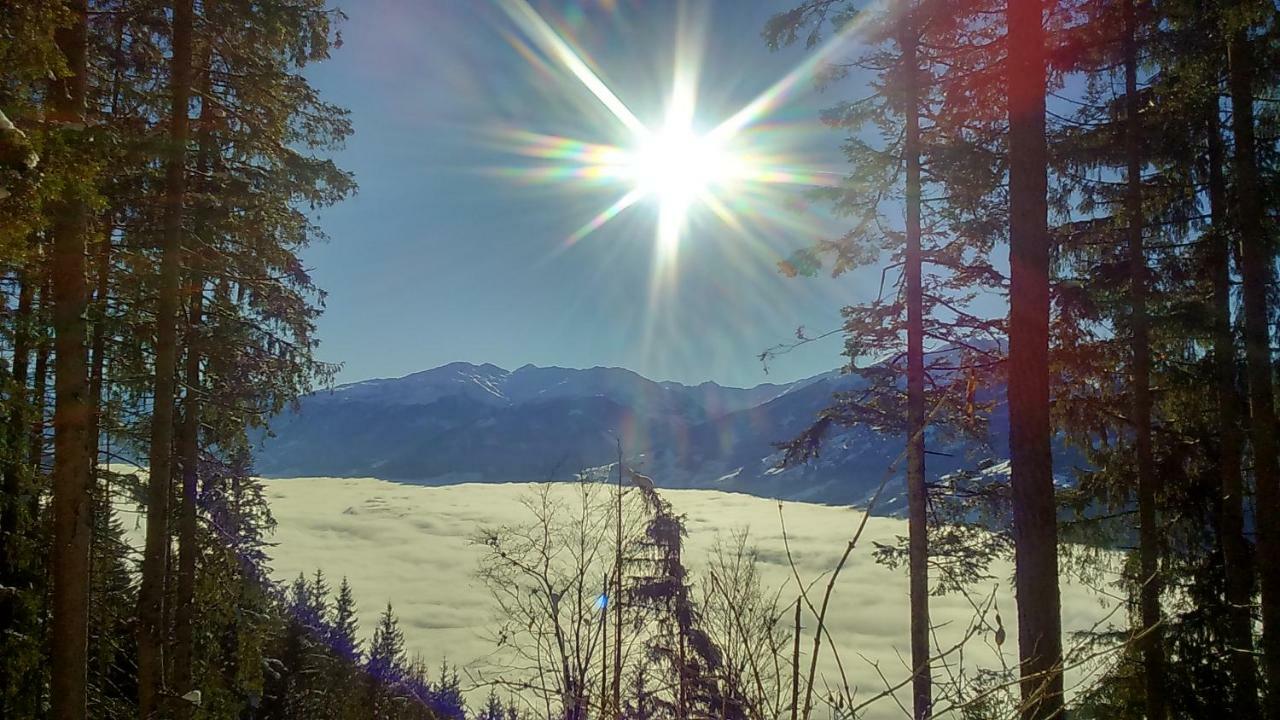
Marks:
<point>481,423</point>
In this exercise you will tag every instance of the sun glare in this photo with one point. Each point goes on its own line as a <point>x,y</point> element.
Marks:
<point>677,167</point>
<point>673,167</point>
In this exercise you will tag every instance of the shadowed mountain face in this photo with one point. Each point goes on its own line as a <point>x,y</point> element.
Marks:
<point>480,423</point>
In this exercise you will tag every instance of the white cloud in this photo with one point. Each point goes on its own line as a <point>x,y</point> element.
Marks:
<point>410,545</point>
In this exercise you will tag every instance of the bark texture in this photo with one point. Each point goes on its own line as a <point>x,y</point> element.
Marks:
<point>151,611</point>
<point>72,475</point>
<point>1256,258</point>
<point>1034,517</point>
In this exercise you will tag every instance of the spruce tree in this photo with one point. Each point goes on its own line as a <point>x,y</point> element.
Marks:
<point>1257,269</point>
<point>151,613</point>
<point>1034,507</point>
<point>345,627</point>
<point>492,708</point>
<point>72,474</point>
<point>385,664</point>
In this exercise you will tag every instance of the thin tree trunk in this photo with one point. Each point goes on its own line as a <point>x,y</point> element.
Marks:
<point>616,709</point>
<point>72,481</point>
<point>1152,644</point>
<point>682,683</point>
<point>604,653</point>
<point>99,561</point>
<point>151,594</point>
<point>39,393</point>
<point>1034,517</point>
<point>1235,549</point>
<point>102,280</point>
<point>917,516</point>
<point>98,346</point>
<point>795,664</point>
<point>189,437</point>
<point>1256,258</point>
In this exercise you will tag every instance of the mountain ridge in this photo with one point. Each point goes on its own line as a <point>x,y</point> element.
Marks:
<point>464,422</point>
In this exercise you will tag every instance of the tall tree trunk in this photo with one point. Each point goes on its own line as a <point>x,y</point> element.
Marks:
<point>604,653</point>
<point>1152,644</point>
<point>189,436</point>
<point>917,515</point>
<point>1035,524</point>
<point>1256,258</point>
<point>98,344</point>
<point>682,678</point>
<point>102,276</point>
<point>616,709</point>
<point>151,614</point>
<point>72,480</point>
<point>1235,549</point>
<point>795,662</point>
<point>100,557</point>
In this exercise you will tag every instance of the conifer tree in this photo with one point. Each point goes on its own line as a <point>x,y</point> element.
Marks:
<point>151,612</point>
<point>1257,269</point>
<point>1034,511</point>
<point>345,627</point>
<point>1235,548</point>
<point>1153,646</point>
<point>492,708</point>
<point>72,475</point>
<point>89,87</point>
<point>923,339</point>
<point>385,664</point>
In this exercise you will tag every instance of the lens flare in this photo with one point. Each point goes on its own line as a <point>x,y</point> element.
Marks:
<point>675,167</point>
<point>678,167</point>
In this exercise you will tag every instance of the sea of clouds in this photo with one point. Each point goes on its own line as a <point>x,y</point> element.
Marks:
<point>411,545</point>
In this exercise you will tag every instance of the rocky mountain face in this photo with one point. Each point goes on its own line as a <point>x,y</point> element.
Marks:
<point>480,423</point>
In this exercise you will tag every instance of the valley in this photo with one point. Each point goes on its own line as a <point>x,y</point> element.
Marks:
<point>411,546</point>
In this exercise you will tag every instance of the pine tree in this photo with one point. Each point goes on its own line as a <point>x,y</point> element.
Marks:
<point>1108,136</point>
<point>1235,548</point>
<point>72,475</point>
<point>938,270</point>
<point>445,697</point>
<point>493,708</point>
<point>1153,645</point>
<point>151,612</point>
<point>188,435</point>
<point>385,664</point>
<point>1034,508</point>
<point>345,627</point>
<point>1257,268</point>
<point>692,659</point>
<point>80,167</point>
<point>111,590</point>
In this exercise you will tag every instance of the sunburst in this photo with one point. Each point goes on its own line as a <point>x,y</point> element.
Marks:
<point>673,165</point>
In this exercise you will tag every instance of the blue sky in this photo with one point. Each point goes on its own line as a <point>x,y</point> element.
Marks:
<point>438,258</point>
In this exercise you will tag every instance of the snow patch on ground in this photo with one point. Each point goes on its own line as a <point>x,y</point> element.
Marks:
<point>726,478</point>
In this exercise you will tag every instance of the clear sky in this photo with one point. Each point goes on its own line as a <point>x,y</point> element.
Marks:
<point>443,256</point>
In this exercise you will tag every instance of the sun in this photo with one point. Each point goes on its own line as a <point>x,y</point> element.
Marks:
<point>677,168</point>
<point>673,165</point>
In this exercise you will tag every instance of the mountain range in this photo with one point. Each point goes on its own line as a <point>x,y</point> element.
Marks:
<point>480,423</point>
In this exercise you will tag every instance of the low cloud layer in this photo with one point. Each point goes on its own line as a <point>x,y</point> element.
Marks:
<point>410,545</point>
